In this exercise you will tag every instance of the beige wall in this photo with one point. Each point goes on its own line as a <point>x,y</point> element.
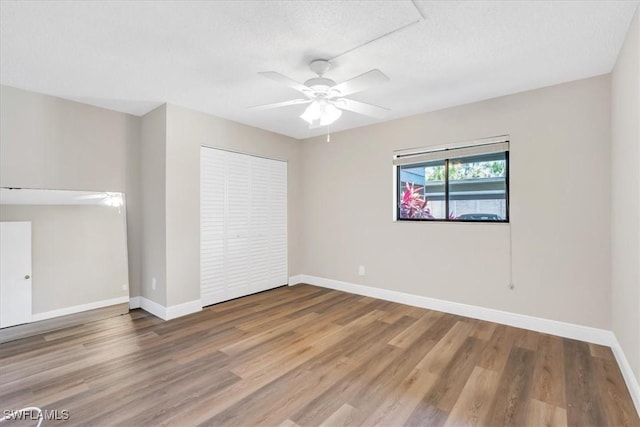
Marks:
<point>182,208</point>
<point>187,130</point>
<point>171,141</point>
<point>153,187</point>
<point>78,253</point>
<point>48,142</point>
<point>625,224</point>
<point>559,158</point>
<point>52,143</point>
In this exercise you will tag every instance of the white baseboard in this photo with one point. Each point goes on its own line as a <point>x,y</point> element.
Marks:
<point>552,327</point>
<point>566,330</point>
<point>78,308</point>
<point>168,313</point>
<point>184,309</point>
<point>134,302</point>
<point>627,372</point>
<point>153,307</point>
<point>295,280</point>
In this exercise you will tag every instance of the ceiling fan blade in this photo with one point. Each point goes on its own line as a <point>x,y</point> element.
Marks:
<point>360,83</point>
<point>362,108</point>
<point>280,78</point>
<point>280,104</point>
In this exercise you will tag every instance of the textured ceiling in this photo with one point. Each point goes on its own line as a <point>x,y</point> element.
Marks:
<point>133,56</point>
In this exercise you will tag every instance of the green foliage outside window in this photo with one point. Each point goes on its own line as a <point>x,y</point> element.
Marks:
<point>458,170</point>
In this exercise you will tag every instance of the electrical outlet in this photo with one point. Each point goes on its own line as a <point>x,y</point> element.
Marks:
<point>153,283</point>
<point>361,270</point>
<point>125,287</point>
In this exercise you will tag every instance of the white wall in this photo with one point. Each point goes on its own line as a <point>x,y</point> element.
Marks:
<point>625,197</point>
<point>559,157</point>
<point>52,143</point>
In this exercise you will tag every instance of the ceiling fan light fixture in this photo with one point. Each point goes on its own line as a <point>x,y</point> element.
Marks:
<point>311,113</point>
<point>321,111</point>
<point>330,114</point>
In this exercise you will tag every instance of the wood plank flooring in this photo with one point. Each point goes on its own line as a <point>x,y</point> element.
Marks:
<point>307,356</point>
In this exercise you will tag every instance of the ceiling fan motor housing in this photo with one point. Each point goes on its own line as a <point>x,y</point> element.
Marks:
<point>320,66</point>
<point>320,85</point>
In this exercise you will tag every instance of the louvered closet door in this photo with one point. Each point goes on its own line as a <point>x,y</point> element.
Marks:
<point>278,224</point>
<point>237,221</point>
<point>261,211</point>
<point>212,201</point>
<point>243,224</point>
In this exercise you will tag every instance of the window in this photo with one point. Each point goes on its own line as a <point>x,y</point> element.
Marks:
<point>459,184</point>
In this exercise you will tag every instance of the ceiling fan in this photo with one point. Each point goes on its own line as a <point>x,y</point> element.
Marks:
<point>325,97</point>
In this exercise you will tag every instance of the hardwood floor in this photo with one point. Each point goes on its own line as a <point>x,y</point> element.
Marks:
<point>309,356</point>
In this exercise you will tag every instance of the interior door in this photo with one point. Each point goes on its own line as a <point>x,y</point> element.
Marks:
<point>15,273</point>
